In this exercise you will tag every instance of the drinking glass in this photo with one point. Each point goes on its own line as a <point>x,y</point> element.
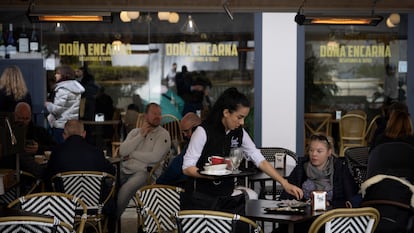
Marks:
<point>236,156</point>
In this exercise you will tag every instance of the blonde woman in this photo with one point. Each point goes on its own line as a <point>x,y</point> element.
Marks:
<point>13,89</point>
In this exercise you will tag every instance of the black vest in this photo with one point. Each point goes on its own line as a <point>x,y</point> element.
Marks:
<point>218,143</point>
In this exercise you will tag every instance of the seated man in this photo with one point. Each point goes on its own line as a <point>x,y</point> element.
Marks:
<point>143,148</point>
<point>174,173</point>
<point>75,154</point>
<point>37,141</point>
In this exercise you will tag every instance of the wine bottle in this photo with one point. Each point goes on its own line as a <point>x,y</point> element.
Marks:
<point>34,41</point>
<point>2,44</point>
<point>11,43</point>
<point>23,41</point>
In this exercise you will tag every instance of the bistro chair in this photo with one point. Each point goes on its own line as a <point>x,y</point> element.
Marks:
<point>357,159</point>
<point>352,128</point>
<point>200,221</point>
<point>94,188</point>
<point>173,126</point>
<point>372,127</point>
<point>358,112</point>
<point>268,186</point>
<point>140,120</point>
<point>159,168</point>
<point>347,220</point>
<point>62,206</point>
<point>156,206</point>
<point>317,123</point>
<point>29,183</point>
<point>32,224</point>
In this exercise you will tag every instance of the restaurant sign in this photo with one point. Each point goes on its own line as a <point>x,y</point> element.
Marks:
<point>93,51</point>
<point>201,52</point>
<point>355,53</point>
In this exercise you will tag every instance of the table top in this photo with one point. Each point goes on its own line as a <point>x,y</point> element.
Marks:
<point>255,210</point>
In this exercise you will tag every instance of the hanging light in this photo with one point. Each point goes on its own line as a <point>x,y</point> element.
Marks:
<point>394,18</point>
<point>133,14</point>
<point>163,15</point>
<point>189,27</point>
<point>124,17</point>
<point>174,17</point>
<point>389,24</point>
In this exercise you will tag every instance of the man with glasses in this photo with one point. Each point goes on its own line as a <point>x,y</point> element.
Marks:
<point>174,174</point>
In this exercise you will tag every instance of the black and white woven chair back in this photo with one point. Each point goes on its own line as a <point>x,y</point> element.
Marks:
<point>163,201</point>
<point>357,159</point>
<point>204,221</point>
<point>60,207</point>
<point>28,226</point>
<point>87,187</point>
<point>349,224</point>
<point>350,220</point>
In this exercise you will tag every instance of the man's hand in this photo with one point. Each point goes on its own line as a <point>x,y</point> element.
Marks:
<point>146,129</point>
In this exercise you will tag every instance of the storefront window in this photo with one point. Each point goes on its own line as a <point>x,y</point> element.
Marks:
<point>134,58</point>
<point>350,67</point>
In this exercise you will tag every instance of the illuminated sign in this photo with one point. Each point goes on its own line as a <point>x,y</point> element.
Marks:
<point>355,53</point>
<point>201,52</point>
<point>93,51</point>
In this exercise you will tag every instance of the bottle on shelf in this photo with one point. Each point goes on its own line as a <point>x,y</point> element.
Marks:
<point>34,41</point>
<point>11,43</point>
<point>23,41</point>
<point>2,43</point>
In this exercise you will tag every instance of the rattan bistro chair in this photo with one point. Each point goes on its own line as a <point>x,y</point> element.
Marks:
<point>62,206</point>
<point>94,188</point>
<point>352,128</point>
<point>156,206</point>
<point>200,221</point>
<point>340,220</point>
<point>317,123</point>
<point>32,224</point>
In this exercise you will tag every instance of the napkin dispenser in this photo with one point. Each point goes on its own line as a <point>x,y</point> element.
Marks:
<point>99,117</point>
<point>318,200</point>
<point>280,160</point>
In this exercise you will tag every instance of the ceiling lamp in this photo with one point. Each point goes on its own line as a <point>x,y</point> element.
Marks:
<point>124,17</point>
<point>133,14</point>
<point>163,15</point>
<point>337,20</point>
<point>189,26</point>
<point>69,16</point>
<point>173,17</point>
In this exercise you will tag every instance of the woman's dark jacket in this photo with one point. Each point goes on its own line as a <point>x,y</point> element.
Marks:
<point>344,186</point>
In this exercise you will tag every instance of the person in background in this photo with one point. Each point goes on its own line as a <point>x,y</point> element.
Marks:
<point>381,122</point>
<point>37,140</point>
<point>66,101</point>
<point>13,89</point>
<point>174,173</point>
<point>142,149</point>
<point>39,137</point>
<point>221,131</point>
<point>399,128</point>
<point>322,171</point>
<point>170,78</point>
<point>91,90</point>
<point>390,84</point>
<point>76,154</point>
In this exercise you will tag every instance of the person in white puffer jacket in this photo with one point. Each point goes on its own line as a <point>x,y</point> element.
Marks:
<point>66,101</point>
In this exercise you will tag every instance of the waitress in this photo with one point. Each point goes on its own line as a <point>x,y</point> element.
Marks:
<point>221,131</point>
